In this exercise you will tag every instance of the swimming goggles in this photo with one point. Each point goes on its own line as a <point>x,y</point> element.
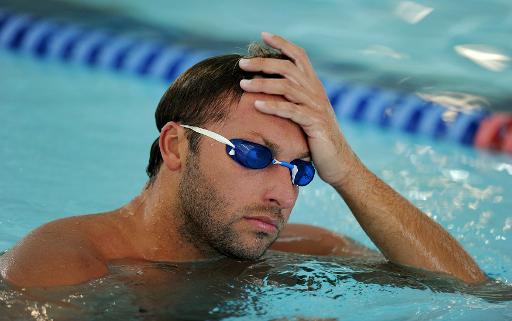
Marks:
<point>256,156</point>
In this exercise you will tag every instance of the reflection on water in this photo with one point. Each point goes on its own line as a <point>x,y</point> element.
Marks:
<point>279,286</point>
<point>412,12</point>
<point>485,56</point>
<point>455,102</point>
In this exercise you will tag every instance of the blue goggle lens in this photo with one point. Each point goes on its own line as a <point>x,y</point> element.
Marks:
<point>250,155</point>
<point>305,173</point>
<point>256,156</point>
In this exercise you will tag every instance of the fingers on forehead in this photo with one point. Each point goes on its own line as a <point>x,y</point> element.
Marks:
<point>271,66</point>
<point>285,87</point>
<point>275,62</point>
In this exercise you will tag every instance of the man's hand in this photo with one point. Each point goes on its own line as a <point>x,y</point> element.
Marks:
<point>403,233</point>
<point>307,105</point>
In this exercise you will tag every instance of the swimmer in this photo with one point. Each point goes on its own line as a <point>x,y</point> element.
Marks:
<point>239,136</point>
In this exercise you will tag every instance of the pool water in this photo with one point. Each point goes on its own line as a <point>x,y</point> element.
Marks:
<point>453,52</point>
<point>279,286</point>
<point>76,141</point>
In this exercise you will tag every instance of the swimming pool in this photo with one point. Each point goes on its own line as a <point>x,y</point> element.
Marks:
<point>84,150</point>
<point>412,46</point>
<point>76,140</point>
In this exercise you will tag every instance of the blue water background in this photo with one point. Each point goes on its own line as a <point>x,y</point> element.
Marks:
<point>76,140</point>
<point>410,46</point>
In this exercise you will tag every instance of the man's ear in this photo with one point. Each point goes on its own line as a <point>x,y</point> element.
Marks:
<point>171,136</point>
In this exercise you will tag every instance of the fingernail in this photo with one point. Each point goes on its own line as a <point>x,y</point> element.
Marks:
<point>243,62</point>
<point>245,82</point>
<point>259,103</point>
<point>267,34</point>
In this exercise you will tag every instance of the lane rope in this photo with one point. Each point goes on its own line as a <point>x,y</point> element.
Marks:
<point>47,39</point>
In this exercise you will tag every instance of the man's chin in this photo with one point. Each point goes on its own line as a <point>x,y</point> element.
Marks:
<point>248,256</point>
<point>246,252</point>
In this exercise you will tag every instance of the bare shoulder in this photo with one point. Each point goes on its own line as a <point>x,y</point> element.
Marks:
<point>56,253</point>
<point>314,240</point>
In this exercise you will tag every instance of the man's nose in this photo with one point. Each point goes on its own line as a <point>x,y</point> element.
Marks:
<point>281,190</point>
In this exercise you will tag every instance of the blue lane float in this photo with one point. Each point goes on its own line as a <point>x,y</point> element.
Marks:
<point>377,110</point>
<point>431,122</point>
<point>463,130</point>
<point>67,42</point>
<point>48,39</point>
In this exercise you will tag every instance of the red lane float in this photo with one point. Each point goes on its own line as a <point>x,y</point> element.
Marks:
<point>495,132</point>
<point>507,141</point>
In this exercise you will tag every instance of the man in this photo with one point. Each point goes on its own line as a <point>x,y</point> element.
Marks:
<point>237,138</point>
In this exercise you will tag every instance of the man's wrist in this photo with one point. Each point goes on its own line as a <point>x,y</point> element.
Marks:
<point>353,170</point>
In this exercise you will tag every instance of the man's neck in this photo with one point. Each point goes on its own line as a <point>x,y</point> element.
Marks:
<point>154,222</point>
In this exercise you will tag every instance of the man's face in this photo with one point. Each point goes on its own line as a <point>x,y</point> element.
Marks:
<point>231,209</point>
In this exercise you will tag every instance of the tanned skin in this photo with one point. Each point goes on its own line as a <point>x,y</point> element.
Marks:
<point>292,114</point>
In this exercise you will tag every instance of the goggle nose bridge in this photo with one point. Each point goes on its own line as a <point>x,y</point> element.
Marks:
<point>293,168</point>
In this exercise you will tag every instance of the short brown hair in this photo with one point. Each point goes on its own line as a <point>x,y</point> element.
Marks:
<point>203,94</point>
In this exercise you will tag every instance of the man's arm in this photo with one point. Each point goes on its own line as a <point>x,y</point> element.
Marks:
<point>402,232</point>
<point>314,240</point>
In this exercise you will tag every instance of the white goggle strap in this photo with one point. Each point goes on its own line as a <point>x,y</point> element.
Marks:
<point>212,135</point>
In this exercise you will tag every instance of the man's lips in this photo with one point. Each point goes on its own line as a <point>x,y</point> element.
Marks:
<point>265,223</point>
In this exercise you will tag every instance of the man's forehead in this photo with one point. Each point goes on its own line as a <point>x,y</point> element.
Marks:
<point>275,132</point>
<point>245,110</point>
<point>275,147</point>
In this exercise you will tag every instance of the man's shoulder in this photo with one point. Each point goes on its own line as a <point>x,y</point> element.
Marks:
<point>57,253</point>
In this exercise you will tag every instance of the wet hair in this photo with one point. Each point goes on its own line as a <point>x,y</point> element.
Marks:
<point>203,95</point>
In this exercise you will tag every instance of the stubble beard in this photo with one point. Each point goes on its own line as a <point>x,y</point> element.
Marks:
<point>201,206</point>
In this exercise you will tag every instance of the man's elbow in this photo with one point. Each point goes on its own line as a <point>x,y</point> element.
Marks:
<point>471,275</point>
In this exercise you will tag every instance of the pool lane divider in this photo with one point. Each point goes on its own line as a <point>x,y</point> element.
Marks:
<point>495,132</point>
<point>49,39</point>
<point>66,42</point>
